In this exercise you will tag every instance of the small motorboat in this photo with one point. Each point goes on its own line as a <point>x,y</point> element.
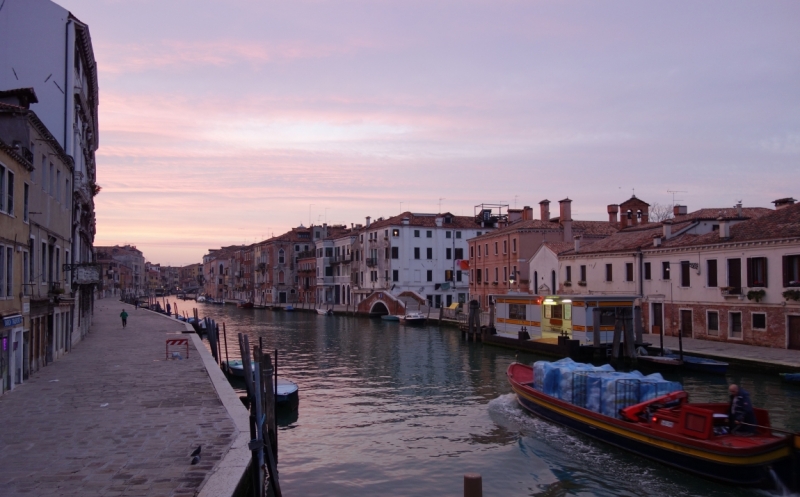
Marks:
<point>790,377</point>
<point>390,317</point>
<point>701,364</point>
<point>201,299</point>
<point>245,305</point>
<point>414,318</point>
<point>289,308</point>
<point>287,393</point>
<point>325,312</point>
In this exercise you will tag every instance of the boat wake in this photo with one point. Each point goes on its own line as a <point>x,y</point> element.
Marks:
<point>582,464</point>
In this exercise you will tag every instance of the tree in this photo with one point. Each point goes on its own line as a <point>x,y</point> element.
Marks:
<point>659,212</point>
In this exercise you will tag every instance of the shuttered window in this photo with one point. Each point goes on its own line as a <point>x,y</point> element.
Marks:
<point>711,266</point>
<point>791,270</point>
<point>757,272</point>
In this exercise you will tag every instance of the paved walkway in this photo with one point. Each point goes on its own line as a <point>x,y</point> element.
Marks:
<point>113,417</point>
<point>783,359</point>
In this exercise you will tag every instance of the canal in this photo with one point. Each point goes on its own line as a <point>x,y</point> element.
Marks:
<point>387,409</point>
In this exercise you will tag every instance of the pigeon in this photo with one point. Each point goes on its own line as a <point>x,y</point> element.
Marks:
<point>196,451</point>
<point>195,460</point>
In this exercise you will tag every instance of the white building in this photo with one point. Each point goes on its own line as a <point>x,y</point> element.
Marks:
<point>719,274</point>
<point>44,47</point>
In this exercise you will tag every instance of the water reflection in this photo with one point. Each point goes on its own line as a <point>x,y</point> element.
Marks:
<point>387,409</point>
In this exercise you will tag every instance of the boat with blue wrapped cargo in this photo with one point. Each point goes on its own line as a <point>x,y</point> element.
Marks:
<point>652,417</point>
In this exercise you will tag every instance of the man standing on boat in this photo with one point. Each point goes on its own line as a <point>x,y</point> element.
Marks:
<point>740,411</point>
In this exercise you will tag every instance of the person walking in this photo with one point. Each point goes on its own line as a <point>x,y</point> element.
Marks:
<point>124,316</point>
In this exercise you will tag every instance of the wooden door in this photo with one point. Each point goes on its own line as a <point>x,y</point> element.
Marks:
<point>794,332</point>
<point>686,323</point>
<point>658,318</point>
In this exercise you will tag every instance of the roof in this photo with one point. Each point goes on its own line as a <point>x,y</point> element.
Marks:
<point>36,123</point>
<point>559,247</point>
<point>427,221</point>
<point>585,228</point>
<point>777,224</point>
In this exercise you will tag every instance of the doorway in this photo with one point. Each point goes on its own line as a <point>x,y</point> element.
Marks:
<point>281,297</point>
<point>658,318</point>
<point>686,323</point>
<point>794,332</point>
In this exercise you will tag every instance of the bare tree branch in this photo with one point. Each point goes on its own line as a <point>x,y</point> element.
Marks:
<point>659,212</point>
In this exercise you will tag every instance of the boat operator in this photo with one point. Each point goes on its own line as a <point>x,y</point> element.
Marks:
<point>740,411</point>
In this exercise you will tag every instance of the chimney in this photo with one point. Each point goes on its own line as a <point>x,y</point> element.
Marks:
<point>724,228</point>
<point>368,218</point>
<point>625,220</point>
<point>667,225</point>
<point>739,209</point>
<point>439,222</point>
<point>612,213</point>
<point>679,210</point>
<point>577,243</point>
<point>565,217</point>
<point>783,202</point>
<point>544,210</point>
<point>527,213</point>
<point>656,240</point>
<point>21,97</point>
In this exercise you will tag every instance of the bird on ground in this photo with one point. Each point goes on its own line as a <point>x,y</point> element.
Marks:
<point>196,451</point>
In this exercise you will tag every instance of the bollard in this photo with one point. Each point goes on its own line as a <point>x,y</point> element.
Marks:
<point>473,485</point>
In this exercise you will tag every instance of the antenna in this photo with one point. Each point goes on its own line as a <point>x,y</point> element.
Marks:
<point>515,201</point>
<point>440,204</point>
<point>673,192</point>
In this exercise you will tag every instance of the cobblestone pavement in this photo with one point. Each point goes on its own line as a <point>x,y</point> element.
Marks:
<point>113,417</point>
<point>726,350</point>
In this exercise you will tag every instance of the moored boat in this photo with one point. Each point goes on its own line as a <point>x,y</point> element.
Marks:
<point>325,312</point>
<point>390,317</point>
<point>790,377</point>
<point>670,430</point>
<point>414,318</point>
<point>701,364</point>
<point>287,393</point>
<point>245,305</point>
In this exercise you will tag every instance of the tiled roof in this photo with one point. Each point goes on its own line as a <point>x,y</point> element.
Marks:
<point>585,228</point>
<point>427,221</point>
<point>559,247</point>
<point>781,223</point>
<point>725,213</point>
<point>620,241</point>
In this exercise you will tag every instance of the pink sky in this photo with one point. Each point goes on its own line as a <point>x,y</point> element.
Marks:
<point>225,122</point>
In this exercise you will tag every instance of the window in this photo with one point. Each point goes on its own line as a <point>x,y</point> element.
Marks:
<point>9,271</point>
<point>485,249</point>
<point>66,192</point>
<point>759,321</point>
<point>25,261</point>
<point>712,323</point>
<point>536,283</point>
<point>458,275</point>
<point>757,272</point>
<point>10,194</point>
<point>711,272</point>
<point>448,275</point>
<point>429,253</point>
<point>478,276</point>
<point>495,248</point>
<point>472,252</point>
<point>458,234</point>
<point>395,275</point>
<point>505,273</point>
<point>416,252</point>
<point>395,232</point>
<point>395,252</point>
<point>791,270</point>
<point>517,311</point>
<point>735,325</point>
<point>448,234</point>
<point>514,245</point>
<point>628,271</point>
<point>459,253</point>
<point>386,252</point>
<point>386,233</point>
<point>282,258</point>
<point>583,273</point>
<point>52,179</point>
<point>44,262</point>
<point>386,275</point>
<point>609,273</point>
<point>496,273</point>
<point>32,273</point>
<point>430,275</point>
<point>505,246</point>
<point>568,276</point>
<point>448,253</point>
<point>416,233</point>
<point>647,273</point>
<point>2,188</point>
<point>665,270</point>
<point>479,250</point>
<point>58,185</point>
<point>685,274</point>
<point>429,234</point>
<point>735,274</point>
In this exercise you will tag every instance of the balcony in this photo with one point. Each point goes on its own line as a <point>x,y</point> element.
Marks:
<point>372,261</point>
<point>731,291</point>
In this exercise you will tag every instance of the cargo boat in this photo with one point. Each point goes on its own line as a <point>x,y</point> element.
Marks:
<point>672,431</point>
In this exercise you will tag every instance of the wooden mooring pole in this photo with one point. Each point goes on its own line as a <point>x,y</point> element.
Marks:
<point>473,485</point>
